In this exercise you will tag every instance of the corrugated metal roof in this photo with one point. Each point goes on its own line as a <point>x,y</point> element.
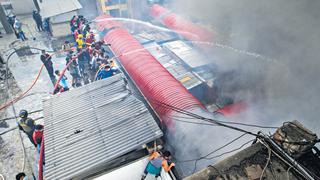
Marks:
<point>145,37</point>
<point>57,7</point>
<point>88,127</point>
<point>174,66</point>
<point>186,53</point>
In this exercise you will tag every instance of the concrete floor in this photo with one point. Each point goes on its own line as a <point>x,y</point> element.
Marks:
<point>24,71</point>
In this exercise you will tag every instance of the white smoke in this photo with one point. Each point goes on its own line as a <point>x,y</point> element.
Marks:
<point>285,89</point>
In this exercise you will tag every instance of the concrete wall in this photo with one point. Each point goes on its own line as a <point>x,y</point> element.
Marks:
<point>65,17</point>
<point>23,6</point>
<point>89,9</point>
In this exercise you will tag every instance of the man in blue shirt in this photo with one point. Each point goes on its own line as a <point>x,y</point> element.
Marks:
<point>105,73</point>
<point>63,81</point>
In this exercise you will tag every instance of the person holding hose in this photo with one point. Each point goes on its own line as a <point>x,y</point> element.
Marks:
<point>26,125</point>
<point>46,60</point>
<point>157,161</point>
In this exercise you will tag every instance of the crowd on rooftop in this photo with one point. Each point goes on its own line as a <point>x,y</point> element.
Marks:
<point>87,60</point>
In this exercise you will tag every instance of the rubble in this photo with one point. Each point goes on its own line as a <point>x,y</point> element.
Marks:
<point>250,162</point>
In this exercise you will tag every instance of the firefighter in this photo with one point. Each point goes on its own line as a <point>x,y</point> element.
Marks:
<point>26,125</point>
<point>157,162</point>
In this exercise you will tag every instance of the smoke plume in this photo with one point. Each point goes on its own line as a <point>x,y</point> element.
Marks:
<point>282,88</point>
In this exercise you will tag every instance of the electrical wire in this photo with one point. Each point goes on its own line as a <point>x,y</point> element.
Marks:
<point>192,122</point>
<point>12,101</point>
<point>13,117</point>
<point>13,128</point>
<point>236,123</point>
<point>294,164</point>
<point>210,153</point>
<point>217,122</point>
<point>288,172</point>
<point>227,152</point>
<point>267,163</point>
<point>231,151</point>
<point>21,96</point>
<point>212,121</point>
<point>15,114</point>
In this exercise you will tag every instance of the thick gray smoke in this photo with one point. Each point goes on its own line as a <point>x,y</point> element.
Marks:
<point>278,91</point>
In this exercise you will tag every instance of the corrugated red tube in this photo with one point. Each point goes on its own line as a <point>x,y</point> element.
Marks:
<point>185,28</point>
<point>41,156</point>
<point>153,80</point>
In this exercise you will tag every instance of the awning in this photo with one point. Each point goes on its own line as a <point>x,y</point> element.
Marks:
<point>56,7</point>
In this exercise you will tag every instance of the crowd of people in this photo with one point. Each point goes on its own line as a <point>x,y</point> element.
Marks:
<point>86,58</point>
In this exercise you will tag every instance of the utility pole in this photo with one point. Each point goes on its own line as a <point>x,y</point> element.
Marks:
<point>3,18</point>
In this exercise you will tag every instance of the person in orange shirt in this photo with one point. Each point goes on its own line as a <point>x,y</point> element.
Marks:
<point>156,163</point>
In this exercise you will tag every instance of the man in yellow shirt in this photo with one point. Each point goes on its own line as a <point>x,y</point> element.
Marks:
<point>79,41</point>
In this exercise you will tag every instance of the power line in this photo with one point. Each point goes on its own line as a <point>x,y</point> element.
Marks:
<point>13,117</point>
<point>19,98</point>
<point>231,151</point>
<point>192,122</point>
<point>236,123</point>
<point>203,157</point>
<point>217,156</point>
<point>217,122</point>
<point>267,163</point>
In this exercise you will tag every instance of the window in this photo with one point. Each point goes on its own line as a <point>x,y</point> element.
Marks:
<point>115,2</point>
<point>111,2</point>
<point>115,13</point>
<point>124,14</point>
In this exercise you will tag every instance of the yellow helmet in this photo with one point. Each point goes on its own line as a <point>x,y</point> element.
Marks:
<point>80,36</point>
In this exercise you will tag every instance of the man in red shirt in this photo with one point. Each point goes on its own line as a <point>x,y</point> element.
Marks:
<point>37,136</point>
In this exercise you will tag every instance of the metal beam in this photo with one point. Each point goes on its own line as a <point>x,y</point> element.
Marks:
<point>3,18</point>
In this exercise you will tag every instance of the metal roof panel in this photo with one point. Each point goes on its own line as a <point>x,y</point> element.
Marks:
<point>90,126</point>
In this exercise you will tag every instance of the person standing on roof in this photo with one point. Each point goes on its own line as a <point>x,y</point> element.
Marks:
<point>84,63</point>
<point>94,65</point>
<point>47,26</point>
<point>66,46</point>
<point>105,73</point>
<point>90,39</point>
<point>38,19</point>
<point>11,20</point>
<point>37,136</point>
<point>80,41</point>
<point>26,125</point>
<point>63,80</point>
<point>18,27</point>
<point>73,69</point>
<point>46,60</point>
<point>157,162</point>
